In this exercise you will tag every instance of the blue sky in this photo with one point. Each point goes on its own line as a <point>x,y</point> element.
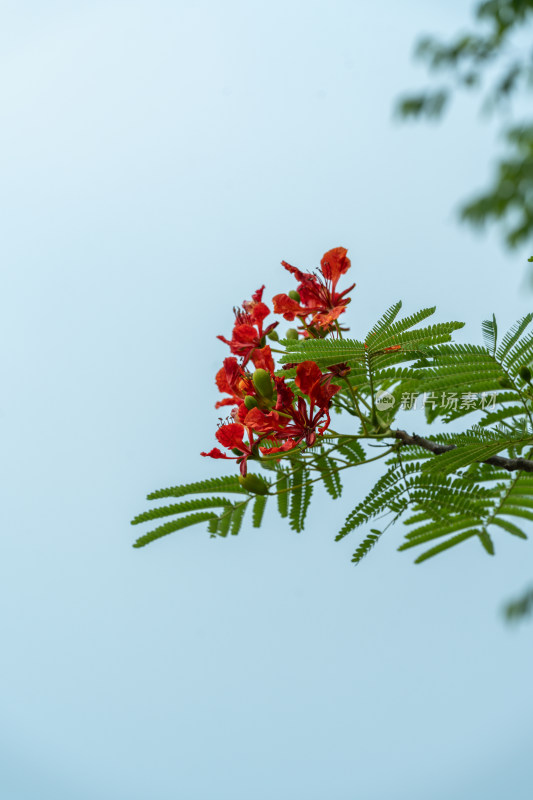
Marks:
<point>158,161</point>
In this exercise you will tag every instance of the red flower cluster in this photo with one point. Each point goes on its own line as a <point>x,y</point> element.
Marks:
<point>279,422</point>
<point>319,303</point>
<point>267,416</point>
<point>248,337</point>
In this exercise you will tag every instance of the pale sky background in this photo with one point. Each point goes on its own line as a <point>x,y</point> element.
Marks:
<point>158,160</point>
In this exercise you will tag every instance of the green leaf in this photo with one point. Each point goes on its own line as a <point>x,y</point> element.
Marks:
<point>366,545</point>
<point>329,473</point>
<point>512,336</point>
<point>295,498</point>
<point>282,484</point>
<point>490,334</point>
<point>175,525</point>
<point>440,548</point>
<point>176,508</point>
<point>237,517</point>
<point>259,510</point>
<point>228,483</point>
<point>487,542</point>
<point>224,522</point>
<point>509,527</point>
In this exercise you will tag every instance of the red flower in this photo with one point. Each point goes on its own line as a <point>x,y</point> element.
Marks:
<point>302,422</point>
<point>231,379</point>
<point>232,437</point>
<point>248,334</point>
<point>318,292</point>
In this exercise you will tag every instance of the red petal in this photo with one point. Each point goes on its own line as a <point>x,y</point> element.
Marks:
<point>263,359</point>
<point>310,295</point>
<point>232,369</point>
<point>283,304</point>
<point>321,394</point>
<point>285,394</point>
<point>259,312</point>
<point>228,401</point>
<point>243,334</point>
<point>334,263</point>
<point>241,412</point>
<point>222,381</point>
<point>258,296</point>
<point>262,422</point>
<point>307,374</point>
<point>288,445</point>
<point>231,435</point>
<point>215,453</point>
<point>301,276</point>
<point>326,319</point>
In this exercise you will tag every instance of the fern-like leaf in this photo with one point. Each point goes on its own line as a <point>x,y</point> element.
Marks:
<point>228,483</point>
<point>259,509</point>
<point>175,525</point>
<point>512,336</point>
<point>489,329</point>
<point>440,548</point>
<point>176,508</point>
<point>282,485</point>
<point>237,517</point>
<point>366,545</point>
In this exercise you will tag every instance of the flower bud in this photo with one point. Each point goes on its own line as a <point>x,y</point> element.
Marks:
<point>250,402</point>
<point>293,294</point>
<point>273,335</point>
<point>263,383</point>
<point>236,451</point>
<point>525,373</point>
<point>504,382</point>
<point>292,333</point>
<point>253,484</point>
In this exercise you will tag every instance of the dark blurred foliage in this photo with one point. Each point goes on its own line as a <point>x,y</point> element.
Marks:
<point>494,61</point>
<point>520,608</point>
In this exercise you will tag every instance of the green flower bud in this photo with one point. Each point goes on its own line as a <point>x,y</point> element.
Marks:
<point>273,335</point>
<point>250,402</point>
<point>253,484</point>
<point>236,451</point>
<point>293,294</point>
<point>525,373</point>
<point>504,382</point>
<point>263,383</point>
<point>292,333</point>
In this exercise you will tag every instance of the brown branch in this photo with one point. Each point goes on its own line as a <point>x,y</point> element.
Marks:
<point>510,464</point>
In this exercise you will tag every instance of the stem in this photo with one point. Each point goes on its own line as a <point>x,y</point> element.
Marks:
<point>355,403</point>
<point>357,464</point>
<point>371,382</point>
